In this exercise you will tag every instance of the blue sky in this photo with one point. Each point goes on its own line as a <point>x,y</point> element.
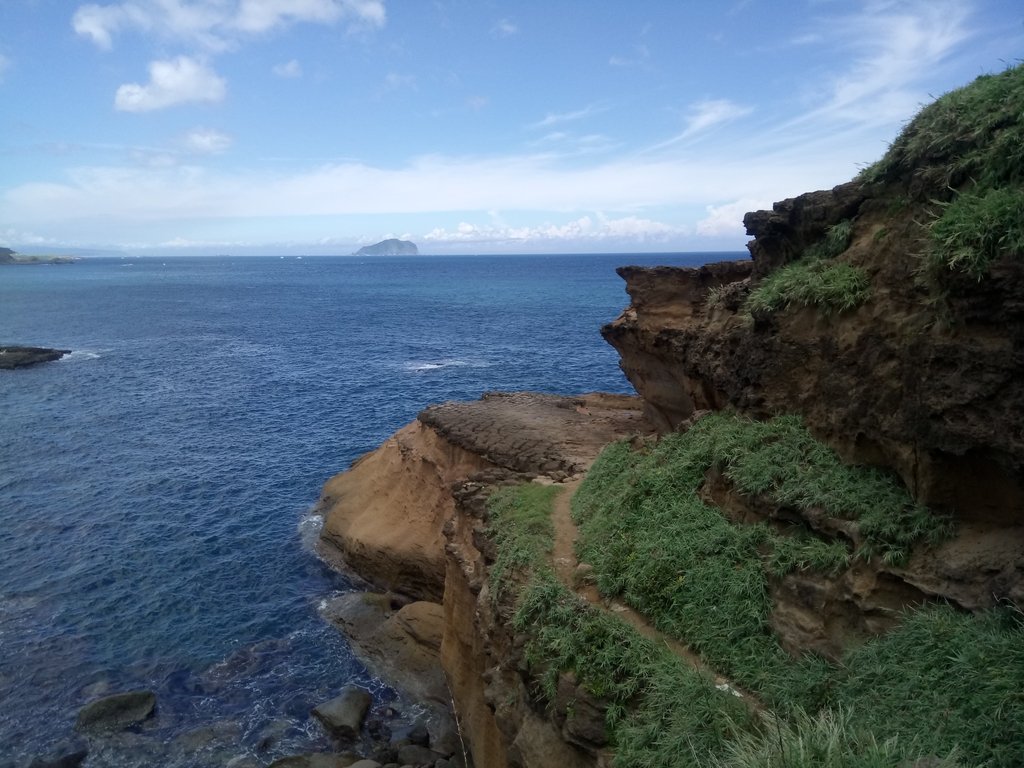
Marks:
<point>468,126</point>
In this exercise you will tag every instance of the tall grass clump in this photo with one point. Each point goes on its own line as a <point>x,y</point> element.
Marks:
<point>977,228</point>
<point>815,279</point>
<point>827,740</point>
<point>826,286</point>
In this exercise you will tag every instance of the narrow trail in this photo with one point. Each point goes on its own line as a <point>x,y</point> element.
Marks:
<point>565,564</point>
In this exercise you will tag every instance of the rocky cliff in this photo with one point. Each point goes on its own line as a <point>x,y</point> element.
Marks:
<point>885,318</point>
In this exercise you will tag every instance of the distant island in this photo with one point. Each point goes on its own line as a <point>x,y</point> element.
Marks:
<point>391,247</point>
<point>7,256</point>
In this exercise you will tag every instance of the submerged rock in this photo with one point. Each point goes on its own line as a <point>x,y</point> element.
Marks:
<point>343,715</point>
<point>316,760</point>
<point>117,711</point>
<point>67,754</point>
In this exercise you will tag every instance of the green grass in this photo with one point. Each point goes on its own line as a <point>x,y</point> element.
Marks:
<point>947,676</point>
<point>965,153</point>
<point>814,280</point>
<point>977,228</point>
<point>836,240</point>
<point>943,683</point>
<point>973,133</point>
<point>705,580</point>
<point>827,740</point>
<point>827,286</point>
<point>520,523</point>
<point>660,711</point>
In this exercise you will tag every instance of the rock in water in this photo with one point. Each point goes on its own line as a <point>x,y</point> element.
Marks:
<point>316,760</point>
<point>116,712</point>
<point>343,715</point>
<point>67,754</point>
<point>19,357</point>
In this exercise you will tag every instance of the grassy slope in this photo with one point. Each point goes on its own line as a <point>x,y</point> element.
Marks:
<point>942,680</point>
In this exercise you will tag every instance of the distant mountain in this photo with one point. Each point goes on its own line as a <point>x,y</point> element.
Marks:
<point>391,247</point>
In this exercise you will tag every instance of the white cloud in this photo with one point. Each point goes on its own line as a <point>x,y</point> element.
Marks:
<point>257,16</point>
<point>176,81</point>
<point>707,114</point>
<point>895,46</point>
<point>204,141</point>
<point>584,228</point>
<point>288,69</point>
<point>217,24</point>
<point>505,28</point>
<point>727,219</point>
<point>557,118</point>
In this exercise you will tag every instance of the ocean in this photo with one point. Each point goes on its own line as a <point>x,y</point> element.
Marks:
<point>157,484</point>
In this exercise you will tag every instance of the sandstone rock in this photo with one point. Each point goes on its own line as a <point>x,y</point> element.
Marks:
<point>402,647</point>
<point>117,711</point>
<point>343,715</point>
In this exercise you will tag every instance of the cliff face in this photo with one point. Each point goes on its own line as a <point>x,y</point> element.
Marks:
<point>938,399</point>
<point>410,516</point>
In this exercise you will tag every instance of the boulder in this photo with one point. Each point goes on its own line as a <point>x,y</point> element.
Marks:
<point>117,711</point>
<point>316,760</point>
<point>343,715</point>
<point>412,754</point>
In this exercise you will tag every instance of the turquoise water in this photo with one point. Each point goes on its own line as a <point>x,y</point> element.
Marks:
<point>156,484</point>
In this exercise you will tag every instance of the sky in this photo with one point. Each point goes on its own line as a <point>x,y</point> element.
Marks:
<point>466,126</point>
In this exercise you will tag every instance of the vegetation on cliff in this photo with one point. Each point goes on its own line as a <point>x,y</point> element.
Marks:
<point>944,685</point>
<point>964,153</point>
<point>705,580</point>
<point>816,279</point>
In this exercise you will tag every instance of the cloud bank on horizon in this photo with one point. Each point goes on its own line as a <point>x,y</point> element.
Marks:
<point>321,125</point>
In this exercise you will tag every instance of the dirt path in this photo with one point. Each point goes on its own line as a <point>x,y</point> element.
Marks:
<point>565,564</point>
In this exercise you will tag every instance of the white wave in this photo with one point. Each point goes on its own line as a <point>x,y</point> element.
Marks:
<point>309,530</point>
<point>419,366</point>
<point>83,354</point>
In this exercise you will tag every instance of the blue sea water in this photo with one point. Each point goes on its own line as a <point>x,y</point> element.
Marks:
<point>156,484</point>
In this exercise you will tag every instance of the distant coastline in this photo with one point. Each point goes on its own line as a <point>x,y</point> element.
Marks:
<point>8,256</point>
